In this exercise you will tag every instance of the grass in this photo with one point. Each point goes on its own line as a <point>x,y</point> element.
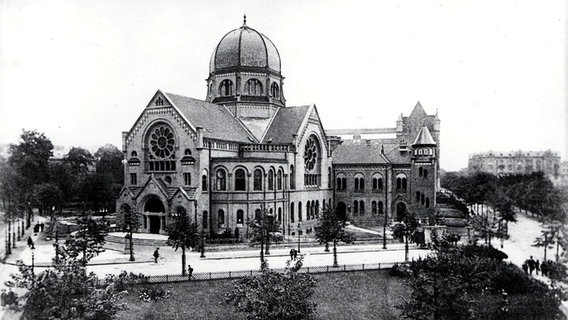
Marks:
<point>343,295</point>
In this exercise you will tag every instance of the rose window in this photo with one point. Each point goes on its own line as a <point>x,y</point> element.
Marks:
<point>310,155</point>
<point>162,143</point>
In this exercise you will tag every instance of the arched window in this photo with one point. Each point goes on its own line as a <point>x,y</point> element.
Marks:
<point>329,177</point>
<point>381,210</point>
<point>362,207</point>
<point>270,179</point>
<point>275,90</point>
<point>226,88</point>
<point>240,180</point>
<point>204,220</point>
<point>279,214</point>
<point>374,207</point>
<point>318,208</point>
<point>308,211</point>
<point>292,177</point>
<point>279,180</point>
<point>204,181</point>
<point>221,218</point>
<point>257,180</point>
<point>341,182</point>
<point>377,182</point>
<point>359,182</point>
<point>221,180</point>
<point>240,217</point>
<point>425,173</point>
<point>344,183</point>
<point>417,196</point>
<point>427,202</point>
<point>355,207</point>
<point>160,154</point>
<point>292,212</point>
<point>300,211</point>
<point>312,162</point>
<point>253,87</point>
<point>401,182</point>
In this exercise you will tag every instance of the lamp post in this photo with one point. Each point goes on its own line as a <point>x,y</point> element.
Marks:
<point>131,249</point>
<point>405,242</point>
<point>385,231</point>
<point>33,261</point>
<point>299,231</point>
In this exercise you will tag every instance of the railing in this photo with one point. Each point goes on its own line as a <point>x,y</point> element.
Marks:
<point>204,276</point>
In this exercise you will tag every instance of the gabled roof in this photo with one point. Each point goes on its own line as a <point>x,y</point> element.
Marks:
<point>424,137</point>
<point>217,122</point>
<point>394,155</point>
<point>355,153</point>
<point>418,111</point>
<point>286,123</point>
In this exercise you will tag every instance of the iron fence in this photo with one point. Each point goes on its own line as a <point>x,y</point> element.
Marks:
<point>203,276</point>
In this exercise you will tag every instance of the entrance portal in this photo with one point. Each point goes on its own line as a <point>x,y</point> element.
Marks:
<point>400,211</point>
<point>341,211</point>
<point>154,224</point>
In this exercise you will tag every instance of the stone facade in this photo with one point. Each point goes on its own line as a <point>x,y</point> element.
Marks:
<point>222,159</point>
<point>516,162</point>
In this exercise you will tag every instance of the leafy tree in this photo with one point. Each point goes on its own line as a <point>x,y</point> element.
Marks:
<point>67,292</point>
<point>29,162</point>
<point>264,228</point>
<point>61,176</point>
<point>274,295</point>
<point>89,239</point>
<point>129,224</point>
<point>332,229</point>
<point>182,233</point>
<point>79,160</point>
<point>47,196</point>
<point>109,162</point>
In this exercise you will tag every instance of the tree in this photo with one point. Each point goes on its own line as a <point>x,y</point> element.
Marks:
<point>332,229</point>
<point>46,197</point>
<point>130,224</point>
<point>89,239</point>
<point>109,162</point>
<point>404,229</point>
<point>183,234</point>
<point>67,292</point>
<point>264,227</point>
<point>274,295</point>
<point>79,160</point>
<point>29,160</point>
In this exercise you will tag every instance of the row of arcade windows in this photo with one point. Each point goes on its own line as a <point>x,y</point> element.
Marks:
<point>274,181</point>
<point>359,182</point>
<point>186,179</point>
<point>423,172</point>
<point>422,199</point>
<point>253,87</point>
<point>377,207</point>
<point>312,210</point>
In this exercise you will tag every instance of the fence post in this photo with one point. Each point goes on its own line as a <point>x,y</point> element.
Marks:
<point>308,269</point>
<point>230,275</point>
<point>209,275</point>
<point>327,269</point>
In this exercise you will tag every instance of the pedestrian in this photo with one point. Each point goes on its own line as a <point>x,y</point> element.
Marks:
<point>525,267</point>
<point>156,255</point>
<point>295,254</point>
<point>531,265</point>
<point>544,268</point>
<point>3,298</point>
<point>190,271</point>
<point>30,242</point>
<point>292,254</point>
<point>537,267</point>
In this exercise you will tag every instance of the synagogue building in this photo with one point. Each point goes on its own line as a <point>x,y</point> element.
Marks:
<point>242,151</point>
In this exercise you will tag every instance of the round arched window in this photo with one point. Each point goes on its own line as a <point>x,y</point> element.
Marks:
<point>162,143</point>
<point>310,154</point>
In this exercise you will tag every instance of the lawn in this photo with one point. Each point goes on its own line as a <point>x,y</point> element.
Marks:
<point>343,295</point>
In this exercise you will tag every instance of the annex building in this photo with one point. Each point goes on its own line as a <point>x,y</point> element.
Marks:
<point>222,159</point>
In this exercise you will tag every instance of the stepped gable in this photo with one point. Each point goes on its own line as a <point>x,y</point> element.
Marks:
<point>285,124</point>
<point>217,122</point>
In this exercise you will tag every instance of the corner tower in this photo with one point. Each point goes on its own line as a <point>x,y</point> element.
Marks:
<point>245,76</point>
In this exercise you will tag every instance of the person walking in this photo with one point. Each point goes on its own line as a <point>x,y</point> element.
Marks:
<point>30,242</point>
<point>189,271</point>
<point>537,267</point>
<point>531,265</point>
<point>295,254</point>
<point>525,267</point>
<point>292,254</point>
<point>156,255</point>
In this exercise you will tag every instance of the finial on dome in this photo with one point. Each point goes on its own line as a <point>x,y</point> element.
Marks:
<point>245,20</point>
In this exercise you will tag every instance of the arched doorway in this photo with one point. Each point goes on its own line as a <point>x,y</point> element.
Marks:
<point>400,211</point>
<point>154,205</point>
<point>341,211</point>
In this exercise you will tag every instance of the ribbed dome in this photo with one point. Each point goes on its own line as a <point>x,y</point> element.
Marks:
<point>244,47</point>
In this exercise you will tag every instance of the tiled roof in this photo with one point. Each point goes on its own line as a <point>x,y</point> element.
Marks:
<point>217,122</point>
<point>358,153</point>
<point>394,155</point>
<point>286,123</point>
<point>424,137</point>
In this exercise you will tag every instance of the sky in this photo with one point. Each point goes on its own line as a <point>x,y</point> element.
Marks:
<point>495,71</point>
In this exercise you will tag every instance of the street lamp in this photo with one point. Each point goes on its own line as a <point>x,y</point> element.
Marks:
<point>33,260</point>
<point>299,231</point>
<point>385,230</point>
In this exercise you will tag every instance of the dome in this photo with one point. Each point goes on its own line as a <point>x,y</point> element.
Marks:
<point>244,47</point>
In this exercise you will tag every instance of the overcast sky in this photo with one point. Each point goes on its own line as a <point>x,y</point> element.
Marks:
<point>495,71</point>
